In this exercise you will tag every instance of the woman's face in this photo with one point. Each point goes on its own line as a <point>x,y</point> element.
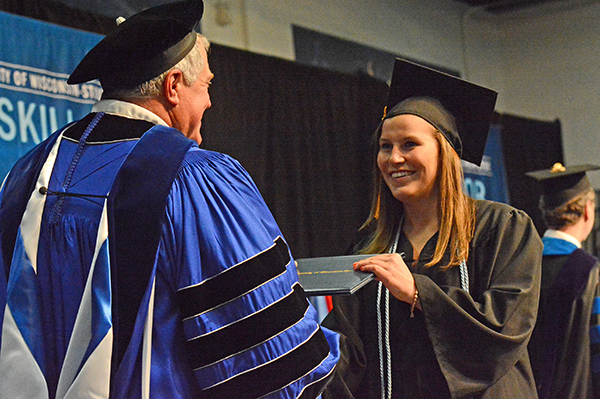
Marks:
<point>408,158</point>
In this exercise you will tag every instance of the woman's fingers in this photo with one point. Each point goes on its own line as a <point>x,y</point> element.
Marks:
<point>381,260</point>
<point>391,270</point>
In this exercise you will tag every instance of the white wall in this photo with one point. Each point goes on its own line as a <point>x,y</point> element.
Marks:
<point>551,69</point>
<point>544,67</point>
<point>428,30</point>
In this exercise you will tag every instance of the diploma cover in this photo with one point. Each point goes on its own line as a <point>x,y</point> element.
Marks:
<point>332,275</point>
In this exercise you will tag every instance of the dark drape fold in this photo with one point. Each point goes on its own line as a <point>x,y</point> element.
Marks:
<point>528,145</point>
<point>58,13</point>
<point>303,134</point>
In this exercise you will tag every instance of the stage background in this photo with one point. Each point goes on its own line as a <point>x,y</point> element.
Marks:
<point>35,100</point>
<point>302,132</point>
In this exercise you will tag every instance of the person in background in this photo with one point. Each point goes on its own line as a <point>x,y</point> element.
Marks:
<point>565,345</point>
<point>138,265</point>
<point>456,295</point>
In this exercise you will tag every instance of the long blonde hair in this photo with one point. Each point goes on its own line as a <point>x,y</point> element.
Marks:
<point>457,210</point>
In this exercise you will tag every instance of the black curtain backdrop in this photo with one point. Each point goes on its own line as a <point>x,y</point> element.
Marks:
<point>529,145</point>
<point>304,136</point>
<point>59,14</point>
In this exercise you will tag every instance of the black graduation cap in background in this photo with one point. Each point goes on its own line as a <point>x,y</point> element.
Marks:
<point>470,105</point>
<point>561,184</point>
<point>142,47</point>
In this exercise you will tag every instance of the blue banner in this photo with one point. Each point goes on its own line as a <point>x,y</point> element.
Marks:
<point>35,99</point>
<point>488,181</point>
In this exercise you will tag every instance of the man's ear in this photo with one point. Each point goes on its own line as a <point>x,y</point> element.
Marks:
<point>171,86</point>
<point>589,207</point>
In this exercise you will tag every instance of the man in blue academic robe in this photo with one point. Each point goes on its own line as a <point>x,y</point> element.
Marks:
<point>133,264</point>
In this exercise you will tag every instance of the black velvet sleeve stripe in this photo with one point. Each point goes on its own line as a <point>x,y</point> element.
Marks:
<point>235,281</point>
<point>277,374</point>
<point>249,332</point>
<point>317,387</point>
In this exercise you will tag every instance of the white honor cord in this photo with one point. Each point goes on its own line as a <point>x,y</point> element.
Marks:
<point>380,341</point>
<point>464,276</point>
<point>383,334</point>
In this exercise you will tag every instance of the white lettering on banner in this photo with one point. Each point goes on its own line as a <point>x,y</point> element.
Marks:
<point>4,75</point>
<point>26,122</point>
<point>475,188</point>
<point>41,82</point>
<point>10,133</point>
<point>20,78</point>
<point>53,85</point>
<point>28,118</point>
<point>43,120</point>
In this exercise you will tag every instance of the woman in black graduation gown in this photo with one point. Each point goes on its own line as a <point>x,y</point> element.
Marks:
<point>458,279</point>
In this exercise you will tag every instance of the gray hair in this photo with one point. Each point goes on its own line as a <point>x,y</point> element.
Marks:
<point>191,66</point>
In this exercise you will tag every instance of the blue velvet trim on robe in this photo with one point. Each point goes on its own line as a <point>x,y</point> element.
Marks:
<point>136,210</point>
<point>556,246</point>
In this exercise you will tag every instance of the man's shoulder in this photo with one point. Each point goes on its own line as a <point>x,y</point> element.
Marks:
<point>197,156</point>
<point>582,254</point>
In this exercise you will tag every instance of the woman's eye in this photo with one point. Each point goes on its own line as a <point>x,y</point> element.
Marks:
<point>385,146</point>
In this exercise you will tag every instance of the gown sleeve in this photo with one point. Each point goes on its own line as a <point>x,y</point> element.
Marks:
<point>594,331</point>
<point>249,328</point>
<point>580,375</point>
<point>481,337</point>
<point>350,373</point>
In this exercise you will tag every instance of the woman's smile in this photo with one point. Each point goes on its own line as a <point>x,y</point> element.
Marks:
<point>408,157</point>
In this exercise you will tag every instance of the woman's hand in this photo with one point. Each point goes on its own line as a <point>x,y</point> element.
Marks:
<point>391,270</point>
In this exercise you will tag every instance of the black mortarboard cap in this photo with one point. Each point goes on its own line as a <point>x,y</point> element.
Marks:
<point>561,184</point>
<point>142,47</point>
<point>431,94</point>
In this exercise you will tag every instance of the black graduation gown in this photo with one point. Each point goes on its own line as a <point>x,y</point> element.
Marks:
<point>560,348</point>
<point>462,344</point>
